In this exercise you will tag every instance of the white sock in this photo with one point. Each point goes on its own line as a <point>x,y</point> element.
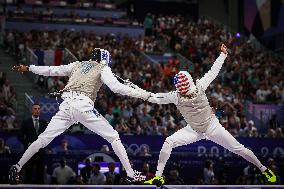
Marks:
<point>262,168</point>
<point>120,151</point>
<point>249,156</point>
<point>32,149</point>
<point>18,167</point>
<point>163,158</point>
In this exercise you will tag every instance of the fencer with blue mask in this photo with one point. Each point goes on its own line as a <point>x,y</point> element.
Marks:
<point>85,80</point>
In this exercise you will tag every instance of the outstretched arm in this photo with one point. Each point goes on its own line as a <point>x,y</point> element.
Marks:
<point>164,98</point>
<point>111,81</point>
<point>213,72</point>
<point>63,70</point>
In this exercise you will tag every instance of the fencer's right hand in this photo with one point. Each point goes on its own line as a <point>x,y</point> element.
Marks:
<point>224,49</point>
<point>20,68</point>
<point>144,95</point>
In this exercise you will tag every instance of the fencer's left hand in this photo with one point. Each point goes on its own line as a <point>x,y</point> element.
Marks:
<point>224,49</point>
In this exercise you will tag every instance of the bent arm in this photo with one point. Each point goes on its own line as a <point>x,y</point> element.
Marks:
<point>110,80</point>
<point>164,98</point>
<point>213,72</point>
<point>63,70</point>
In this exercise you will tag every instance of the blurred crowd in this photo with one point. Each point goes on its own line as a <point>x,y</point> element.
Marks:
<point>8,104</point>
<point>78,4</point>
<point>248,74</point>
<point>47,14</point>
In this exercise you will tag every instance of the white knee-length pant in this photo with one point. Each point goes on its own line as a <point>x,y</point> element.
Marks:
<point>78,108</point>
<point>216,133</point>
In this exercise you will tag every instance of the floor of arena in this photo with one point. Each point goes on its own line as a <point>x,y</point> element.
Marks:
<point>23,186</point>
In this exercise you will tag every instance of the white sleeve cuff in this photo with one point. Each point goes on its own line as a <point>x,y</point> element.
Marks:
<point>32,68</point>
<point>223,56</point>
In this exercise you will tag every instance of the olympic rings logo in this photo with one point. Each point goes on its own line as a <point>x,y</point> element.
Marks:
<point>49,108</point>
<point>135,148</point>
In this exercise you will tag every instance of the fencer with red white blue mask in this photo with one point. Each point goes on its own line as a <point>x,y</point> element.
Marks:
<point>184,83</point>
<point>191,101</point>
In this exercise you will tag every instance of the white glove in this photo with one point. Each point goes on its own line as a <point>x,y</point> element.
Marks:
<point>143,94</point>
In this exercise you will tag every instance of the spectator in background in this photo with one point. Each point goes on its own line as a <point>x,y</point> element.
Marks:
<point>208,173</point>
<point>167,119</point>
<point>262,93</point>
<point>128,132</point>
<point>145,116</point>
<point>112,177</point>
<point>271,165</point>
<point>273,122</point>
<point>109,116</point>
<point>2,96</point>
<point>86,171</point>
<point>146,171</point>
<point>121,127</point>
<point>146,128</point>
<point>12,99</point>
<point>48,12</point>
<point>174,178</point>
<point>279,133</point>
<point>270,133</point>
<point>116,108</point>
<point>148,25</point>
<point>6,90</point>
<point>63,148</point>
<point>164,131</point>
<point>46,177</point>
<point>30,130</point>
<point>63,174</point>
<point>138,131</point>
<point>3,78</point>
<point>97,178</point>
<point>79,180</point>
<point>241,180</point>
<point>282,94</point>
<point>10,120</point>
<point>154,127</point>
<point>254,133</point>
<point>54,84</point>
<point>3,148</point>
<point>144,151</point>
<point>243,125</point>
<point>171,128</point>
<point>105,149</point>
<point>19,10</point>
<point>48,150</point>
<point>132,124</point>
<point>250,129</point>
<point>3,108</point>
<point>126,111</point>
<point>252,176</point>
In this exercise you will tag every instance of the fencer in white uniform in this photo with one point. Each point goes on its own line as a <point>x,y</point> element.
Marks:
<point>85,79</point>
<point>190,99</point>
